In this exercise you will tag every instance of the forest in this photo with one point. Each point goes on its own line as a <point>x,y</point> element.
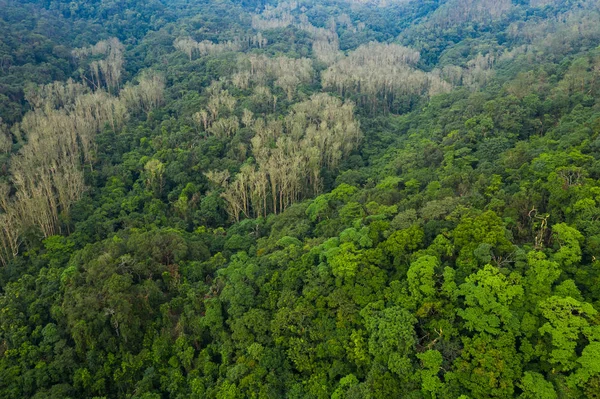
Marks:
<point>301,199</point>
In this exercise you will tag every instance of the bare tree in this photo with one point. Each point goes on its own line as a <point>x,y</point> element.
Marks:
<point>289,156</point>
<point>147,95</point>
<point>5,138</point>
<point>58,137</point>
<point>325,40</point>
<point>194,49</point>
<point>379,73</point>
<point>106,72</point>
<point>456,12</point>
<point>10,229</point>
<point>284,72</point>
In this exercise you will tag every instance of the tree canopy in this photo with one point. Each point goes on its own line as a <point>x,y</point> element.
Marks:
<point>300,199</point>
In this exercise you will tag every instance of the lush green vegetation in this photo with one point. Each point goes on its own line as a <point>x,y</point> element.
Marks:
<point>311,199</point>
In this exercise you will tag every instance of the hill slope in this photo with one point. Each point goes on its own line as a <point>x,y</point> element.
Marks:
<point>311,199</point>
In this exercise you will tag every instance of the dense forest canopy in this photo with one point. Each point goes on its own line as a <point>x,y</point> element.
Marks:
<point>300,199</point>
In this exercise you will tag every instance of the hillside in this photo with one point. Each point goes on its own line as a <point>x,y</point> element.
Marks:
<point>300,199</point>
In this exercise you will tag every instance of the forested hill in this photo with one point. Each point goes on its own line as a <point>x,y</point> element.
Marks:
<point>304,199</point>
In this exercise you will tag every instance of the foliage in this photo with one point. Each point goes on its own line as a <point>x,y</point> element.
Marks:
<point>312,199</point>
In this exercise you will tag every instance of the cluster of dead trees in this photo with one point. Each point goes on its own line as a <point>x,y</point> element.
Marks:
<point>378,3</point>
<point>553,36</point>
<point>58,136</point>
<point>457,12</point>
<point>279,16</point>
<point>5,138</point>
<point>260,22</point>
<point>284,72</point>
<point>146,95</point>
<point>194,49</point>
<point>477,73</point>
<point>218,118</point>
<point>326,49</point>
<point>325,40</point>
<point>561,34</point>
<point>544,3</point>
<point>379,73</point>
<point>55,95</point>
<point>583,76</point>
<point>289,156</point>
<point>107,71</point>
